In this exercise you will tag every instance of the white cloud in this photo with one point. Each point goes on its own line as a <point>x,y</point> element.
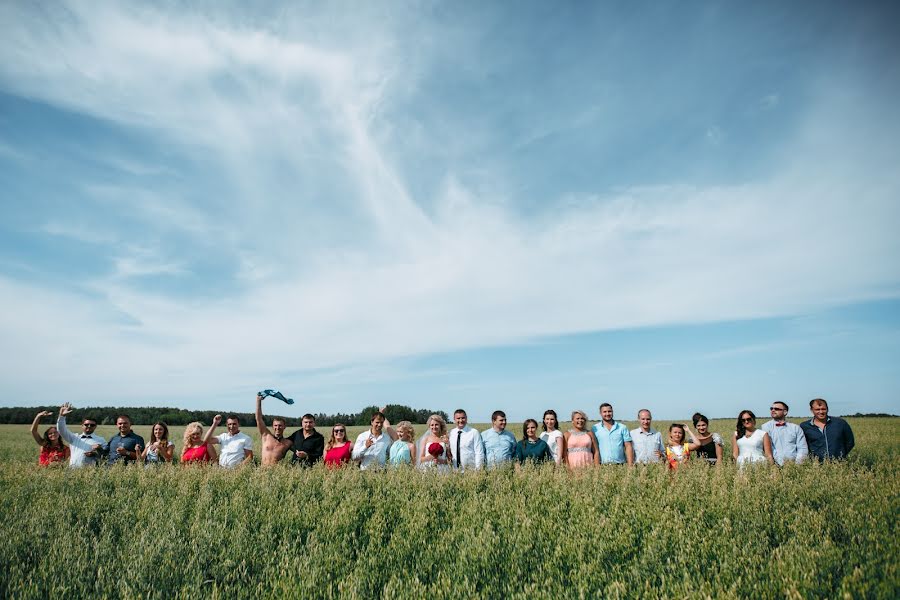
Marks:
<point>470,273</point>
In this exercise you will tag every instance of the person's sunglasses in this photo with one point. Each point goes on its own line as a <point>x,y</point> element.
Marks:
<point>775,408</point>
<point>88,424</point>
<point>339,430</point>
<point>747,420</point>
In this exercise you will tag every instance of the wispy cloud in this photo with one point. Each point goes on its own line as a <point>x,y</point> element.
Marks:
<point>334,257</point>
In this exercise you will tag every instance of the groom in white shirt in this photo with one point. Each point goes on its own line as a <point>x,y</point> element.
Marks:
<point>466,446</point>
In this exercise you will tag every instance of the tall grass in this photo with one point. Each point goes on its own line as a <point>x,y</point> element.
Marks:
<point>802,531</point>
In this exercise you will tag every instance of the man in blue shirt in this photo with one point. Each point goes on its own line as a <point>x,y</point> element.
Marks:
<point>499,444</point>
<point>788,439</point>
<point>125,446</point>
<point>613,439</point>
<point>827,437</point>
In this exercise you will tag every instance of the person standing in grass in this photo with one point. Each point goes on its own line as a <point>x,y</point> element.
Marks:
<point>531,448</point>
<point>403,451</point>
<point>196,448</point>
<point>434,448</point>
<point>307,444</point>
<point>554,437</point>
<point>337,448</point>
<point>160,449</point>
<point>274,444</point>
<point>647,441</point>
<point>499,444</point>
<point>613,438</point>
<point>788,439</point>
<point>52,448</point>
<point>370,449</point>
<point>466,444</point>
<point>581,445</point>
<point>827,437</point>
<point>678,450</point>
<point>710,445</point>
<point>124,447</point>
<point>235,448</point>
<point>85,448</point>
<point>751,445</point>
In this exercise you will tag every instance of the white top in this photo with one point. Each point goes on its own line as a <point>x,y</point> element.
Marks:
<point>552,438</point>
<point>232,448</point>
<point>375,455</point>
<point>78,444</point>
<point>153,455</point>
<point>750,449</point>
<point>471,448</point>
<point>433,465</point>
<point>646,445</point>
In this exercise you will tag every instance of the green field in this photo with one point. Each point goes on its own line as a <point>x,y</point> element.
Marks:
<point>802,531</point>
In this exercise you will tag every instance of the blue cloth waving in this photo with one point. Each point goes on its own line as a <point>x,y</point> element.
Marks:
<point>276,394</point>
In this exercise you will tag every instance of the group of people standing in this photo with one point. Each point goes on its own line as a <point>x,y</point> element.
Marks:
<point>461,447</point>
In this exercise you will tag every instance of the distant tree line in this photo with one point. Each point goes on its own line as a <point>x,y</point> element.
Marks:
<point>145,415</point>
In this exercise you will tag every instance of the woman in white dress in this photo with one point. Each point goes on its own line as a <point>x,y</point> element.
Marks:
<point>554,437</point>
<point>751,445</point>
<point>434,446</point>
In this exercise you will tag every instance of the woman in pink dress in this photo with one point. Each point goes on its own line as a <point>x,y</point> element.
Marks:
<point>580,444</point>
<point>195,449</point>
<point>337,448</point>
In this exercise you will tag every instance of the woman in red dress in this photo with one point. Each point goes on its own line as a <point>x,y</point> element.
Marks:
<point>195,449</point>
<point>337,449</point>
<point>52,448</point>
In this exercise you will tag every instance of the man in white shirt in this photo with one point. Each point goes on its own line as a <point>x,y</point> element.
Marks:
<point>648,444</point>
<point>235,448</point>
<point>788,439</point>
<point>466,445</point>
<point>84,447</point>
<point>370,449</point>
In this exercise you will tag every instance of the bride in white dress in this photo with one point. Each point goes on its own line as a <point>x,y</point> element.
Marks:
<point>751,445</point>
<point>434,446</point>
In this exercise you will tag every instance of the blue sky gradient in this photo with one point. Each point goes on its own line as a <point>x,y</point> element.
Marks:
<point>680,207</point>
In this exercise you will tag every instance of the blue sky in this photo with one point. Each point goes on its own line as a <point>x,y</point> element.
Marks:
<point>678,206</point>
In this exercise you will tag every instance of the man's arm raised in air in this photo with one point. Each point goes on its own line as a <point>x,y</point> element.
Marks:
<point>260,422</point>
<point>208,438</point>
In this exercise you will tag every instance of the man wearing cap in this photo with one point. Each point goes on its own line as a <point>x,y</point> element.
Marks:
<point>788,440</point>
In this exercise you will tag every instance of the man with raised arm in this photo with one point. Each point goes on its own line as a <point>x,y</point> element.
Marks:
<point>86,446</point>
<point>613,438</point>
<point>370,449</point>
<point>274,445</point>
<point>236,448</point>
<point>466,446</point>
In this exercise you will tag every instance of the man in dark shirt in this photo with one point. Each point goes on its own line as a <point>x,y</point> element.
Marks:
<point>124,446</point>
<point>827,437</point>
<point>307,443</point>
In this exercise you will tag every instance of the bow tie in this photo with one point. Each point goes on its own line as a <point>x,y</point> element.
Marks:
<point>85,437</point>
<point>780,424</point>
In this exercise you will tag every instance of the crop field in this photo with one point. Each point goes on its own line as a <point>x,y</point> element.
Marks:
<point>820,531</point>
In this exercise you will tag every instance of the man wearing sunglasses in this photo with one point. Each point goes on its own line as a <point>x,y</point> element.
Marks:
<point>85,447</point>
<point>788,440</point>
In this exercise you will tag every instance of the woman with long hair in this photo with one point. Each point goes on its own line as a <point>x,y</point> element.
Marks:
<point>531,448</point>
<point>709,445</point>
<point>581,445</point>
<point>338,447</point>
<point>52,448</point>
<point>751,445</point>
<point>195,449</point>
<point>159,449</point>
<point>553,436</point>
<point>434,446</point>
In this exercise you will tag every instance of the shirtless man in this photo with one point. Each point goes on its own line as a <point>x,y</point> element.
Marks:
<point>274,444</point>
